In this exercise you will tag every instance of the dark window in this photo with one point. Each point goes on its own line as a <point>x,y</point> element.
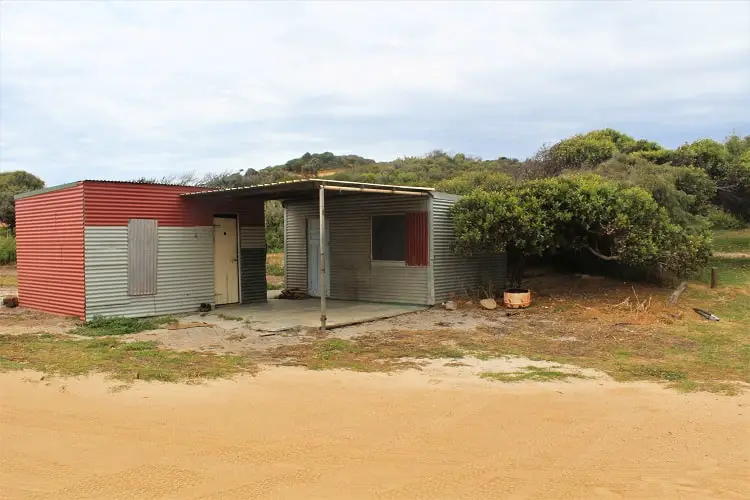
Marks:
<point>389,237</point>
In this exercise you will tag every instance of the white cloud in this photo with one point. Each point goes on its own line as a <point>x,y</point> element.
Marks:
<point>222,85</point>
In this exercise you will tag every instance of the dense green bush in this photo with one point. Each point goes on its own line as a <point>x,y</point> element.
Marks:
<point>11,184</point>
<point>7,249</point>
<point>719,219</point>
<point>578,213</point>
<point>581,151</point>
<point>470,181</point>
<point>686,181</point>
<point>274,213</point>
<point>728,164</point>
<point>685,192</point>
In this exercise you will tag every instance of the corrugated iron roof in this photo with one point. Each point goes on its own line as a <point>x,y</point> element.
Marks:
<point>305,185</point>
<point>73,184</point>
<point>296,186</point>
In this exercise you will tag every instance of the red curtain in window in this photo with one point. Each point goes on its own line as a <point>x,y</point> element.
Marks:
<point>416,239</point>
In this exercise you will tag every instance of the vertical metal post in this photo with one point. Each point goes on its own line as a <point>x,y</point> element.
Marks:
<point>714,279</point>
<point>322,275</point>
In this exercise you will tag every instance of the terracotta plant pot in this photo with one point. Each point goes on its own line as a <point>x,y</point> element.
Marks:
<point>517,298</point>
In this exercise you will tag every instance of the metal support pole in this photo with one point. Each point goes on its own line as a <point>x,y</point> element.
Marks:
<point>322,276</point>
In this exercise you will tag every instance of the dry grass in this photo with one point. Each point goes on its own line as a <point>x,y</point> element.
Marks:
<point>583,322</point>
<point>275,264</point>
<point>120,360</point>
<point>534,373</point>
<point>627,331</point>
<point>8,277</point>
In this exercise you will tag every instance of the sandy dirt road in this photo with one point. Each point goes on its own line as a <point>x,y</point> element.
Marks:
<point>295,434</point>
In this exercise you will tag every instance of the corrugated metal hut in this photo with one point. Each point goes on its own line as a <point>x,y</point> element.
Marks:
<point>383,243</point>
<point>127,249</point>
<point>95,248</point>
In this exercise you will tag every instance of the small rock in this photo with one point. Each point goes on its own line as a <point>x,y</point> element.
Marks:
<point>449,306</point>
<point>488,304</point>
<point>10,301</point>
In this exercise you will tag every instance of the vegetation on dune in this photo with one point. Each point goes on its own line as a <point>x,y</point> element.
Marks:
<point>577,213</point>
<point>700,185</point>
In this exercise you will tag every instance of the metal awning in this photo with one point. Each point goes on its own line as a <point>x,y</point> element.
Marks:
<point>310,188</point>
<point>307,188</point>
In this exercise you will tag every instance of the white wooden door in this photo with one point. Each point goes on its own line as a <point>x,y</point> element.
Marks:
<point>313,257</point>
<point>226,274</point>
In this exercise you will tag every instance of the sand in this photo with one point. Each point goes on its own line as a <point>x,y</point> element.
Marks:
<point>295,434</point>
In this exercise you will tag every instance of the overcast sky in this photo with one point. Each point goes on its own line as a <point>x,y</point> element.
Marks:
<point>122,90</point>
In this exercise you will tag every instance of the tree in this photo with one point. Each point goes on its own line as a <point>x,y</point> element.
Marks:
<point>685,192</point>
<point>577,213</point>
<point>467,182</point>
<point>183,179</point>
<point>581,150</point>
<point>509,220</point>
<point>591,149</point>
<point>11,184</point>
<point>728,164</point>
<point>274,214</point>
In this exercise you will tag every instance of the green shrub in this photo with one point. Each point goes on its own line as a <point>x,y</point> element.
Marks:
<point>720,219</point>
<point>469,181</point>
<point>685,192</point>
<point>7,250</point>
<point>578,213</point>
<point>274,213</point>
<point>99,327</point>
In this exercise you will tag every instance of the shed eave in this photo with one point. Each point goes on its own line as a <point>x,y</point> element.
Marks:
<point>306,188</point>
<point>45,190</point>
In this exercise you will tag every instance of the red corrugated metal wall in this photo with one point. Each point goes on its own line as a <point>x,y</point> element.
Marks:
<point>49,239</point>
<point>416,239</point>
<point>114,203</point>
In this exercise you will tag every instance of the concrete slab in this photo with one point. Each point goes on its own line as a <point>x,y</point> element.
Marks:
<point>278,315</point>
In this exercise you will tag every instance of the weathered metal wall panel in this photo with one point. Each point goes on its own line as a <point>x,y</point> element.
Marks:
<point>253,264</point>
<point>49,241</point>
<point>253,275</point>
<point>353,275</point>
<point>143,239</point>
<point>417,247</point>
<point>454,274</point>
<point>115,203</point>
<point>252,237</point>
<point>185,276</point>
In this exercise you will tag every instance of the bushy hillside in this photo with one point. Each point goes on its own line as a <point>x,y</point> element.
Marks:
<point>698,185</point>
